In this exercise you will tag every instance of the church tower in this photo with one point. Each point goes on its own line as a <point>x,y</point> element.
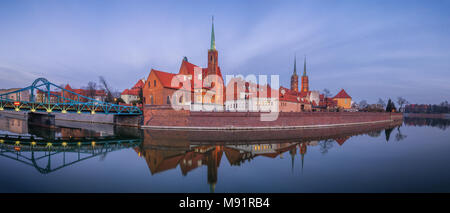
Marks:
<point>294,77</point>
<point>212,53</point>
<point>305,82</point>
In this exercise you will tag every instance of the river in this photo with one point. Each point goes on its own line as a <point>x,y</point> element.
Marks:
<point>408,156</point>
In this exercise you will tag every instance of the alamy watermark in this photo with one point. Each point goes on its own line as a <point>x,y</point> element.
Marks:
<point>241,94</point>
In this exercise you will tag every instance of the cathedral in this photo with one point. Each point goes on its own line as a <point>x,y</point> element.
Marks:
<point>206,89</point>
<point>159,88</point>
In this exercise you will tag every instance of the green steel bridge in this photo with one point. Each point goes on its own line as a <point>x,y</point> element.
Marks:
<point>53,98</point>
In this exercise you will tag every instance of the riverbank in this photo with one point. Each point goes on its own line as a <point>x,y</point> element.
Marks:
<point>98,119</point>
<point>167,118</point>
<point>427,115</point>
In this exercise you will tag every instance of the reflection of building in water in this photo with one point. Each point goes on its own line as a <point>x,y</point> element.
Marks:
<point>188,158</point>
<point>14,125</point>
<point>341,140</point>
<point>165,150</point>
<point>77,133</point>
<point>302,153</point>
<point>441,123</point>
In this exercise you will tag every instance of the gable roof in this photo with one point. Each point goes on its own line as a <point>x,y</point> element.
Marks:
<point>139,84</point>
<point>342,94</point>
<point>190,69</point>
<point>165,78</point>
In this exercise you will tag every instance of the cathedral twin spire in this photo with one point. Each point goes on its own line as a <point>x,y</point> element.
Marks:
<point>294,78</point>
<point>295,66</point>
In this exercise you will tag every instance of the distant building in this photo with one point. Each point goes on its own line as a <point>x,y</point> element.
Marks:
<point>64,96</point>
<point>248,96</point>
<point>133,94</point>
<point>343,100</point>
<point>46,97</point>
<point>22,96</point>
<point>292,101</point>
<point>99,95</point>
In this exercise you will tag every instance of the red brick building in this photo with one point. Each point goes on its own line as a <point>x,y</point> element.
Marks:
<point>204,88</point>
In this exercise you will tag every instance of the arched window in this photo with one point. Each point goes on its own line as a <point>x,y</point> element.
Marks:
<point>151,99</point>
<point>168,99</point>
<point>154,83</point>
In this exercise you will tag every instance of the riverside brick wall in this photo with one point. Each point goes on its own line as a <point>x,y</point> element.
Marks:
<point>186,138</point>
<point>164,116</point>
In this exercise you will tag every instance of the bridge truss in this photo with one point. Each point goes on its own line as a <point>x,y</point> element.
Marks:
<point>44,96</point>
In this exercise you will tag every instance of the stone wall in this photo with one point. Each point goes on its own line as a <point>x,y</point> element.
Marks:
<point>164,116</point>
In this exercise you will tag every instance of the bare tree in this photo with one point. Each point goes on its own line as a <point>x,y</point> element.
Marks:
<point>363,104</point>
<point>91,89</point>
<point>401,101</point>
<point>326,93</point>
<point>382,103</point>
<point>109,95</point>
<point>325,145</point>
<point>399,136</point>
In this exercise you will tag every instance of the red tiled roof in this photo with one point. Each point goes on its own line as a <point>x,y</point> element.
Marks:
<point>190,68</point>
<point>165,78</point>
<point>134,92</point>
<point>139,84</point>
<point>293,96</point>
<point>342,94</point>
<point>68,87</point>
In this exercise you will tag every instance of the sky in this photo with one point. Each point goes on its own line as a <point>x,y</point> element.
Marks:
<point>372,49</point>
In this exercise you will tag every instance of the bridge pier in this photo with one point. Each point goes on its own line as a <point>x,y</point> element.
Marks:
<point>41,119</point>
<point>128,120</point>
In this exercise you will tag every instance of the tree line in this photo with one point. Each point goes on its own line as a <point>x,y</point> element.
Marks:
<point>443,107</point>
<point>381,105</point>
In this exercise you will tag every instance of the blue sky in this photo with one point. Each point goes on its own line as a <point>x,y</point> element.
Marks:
<point>372,49</point>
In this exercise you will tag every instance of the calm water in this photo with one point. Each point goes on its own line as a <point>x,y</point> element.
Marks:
<point>412,156</point>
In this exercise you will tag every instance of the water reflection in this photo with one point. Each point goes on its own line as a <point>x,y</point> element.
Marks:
<point>51,149</point>
<point>441,123</point>
<point>165,150</point>
<point>185,151</point>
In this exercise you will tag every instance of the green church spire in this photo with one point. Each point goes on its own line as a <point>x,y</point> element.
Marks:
<point>304,67</point>
<point>213,40</point>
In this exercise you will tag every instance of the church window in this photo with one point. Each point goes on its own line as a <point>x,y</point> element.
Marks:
<point>154,83</point>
